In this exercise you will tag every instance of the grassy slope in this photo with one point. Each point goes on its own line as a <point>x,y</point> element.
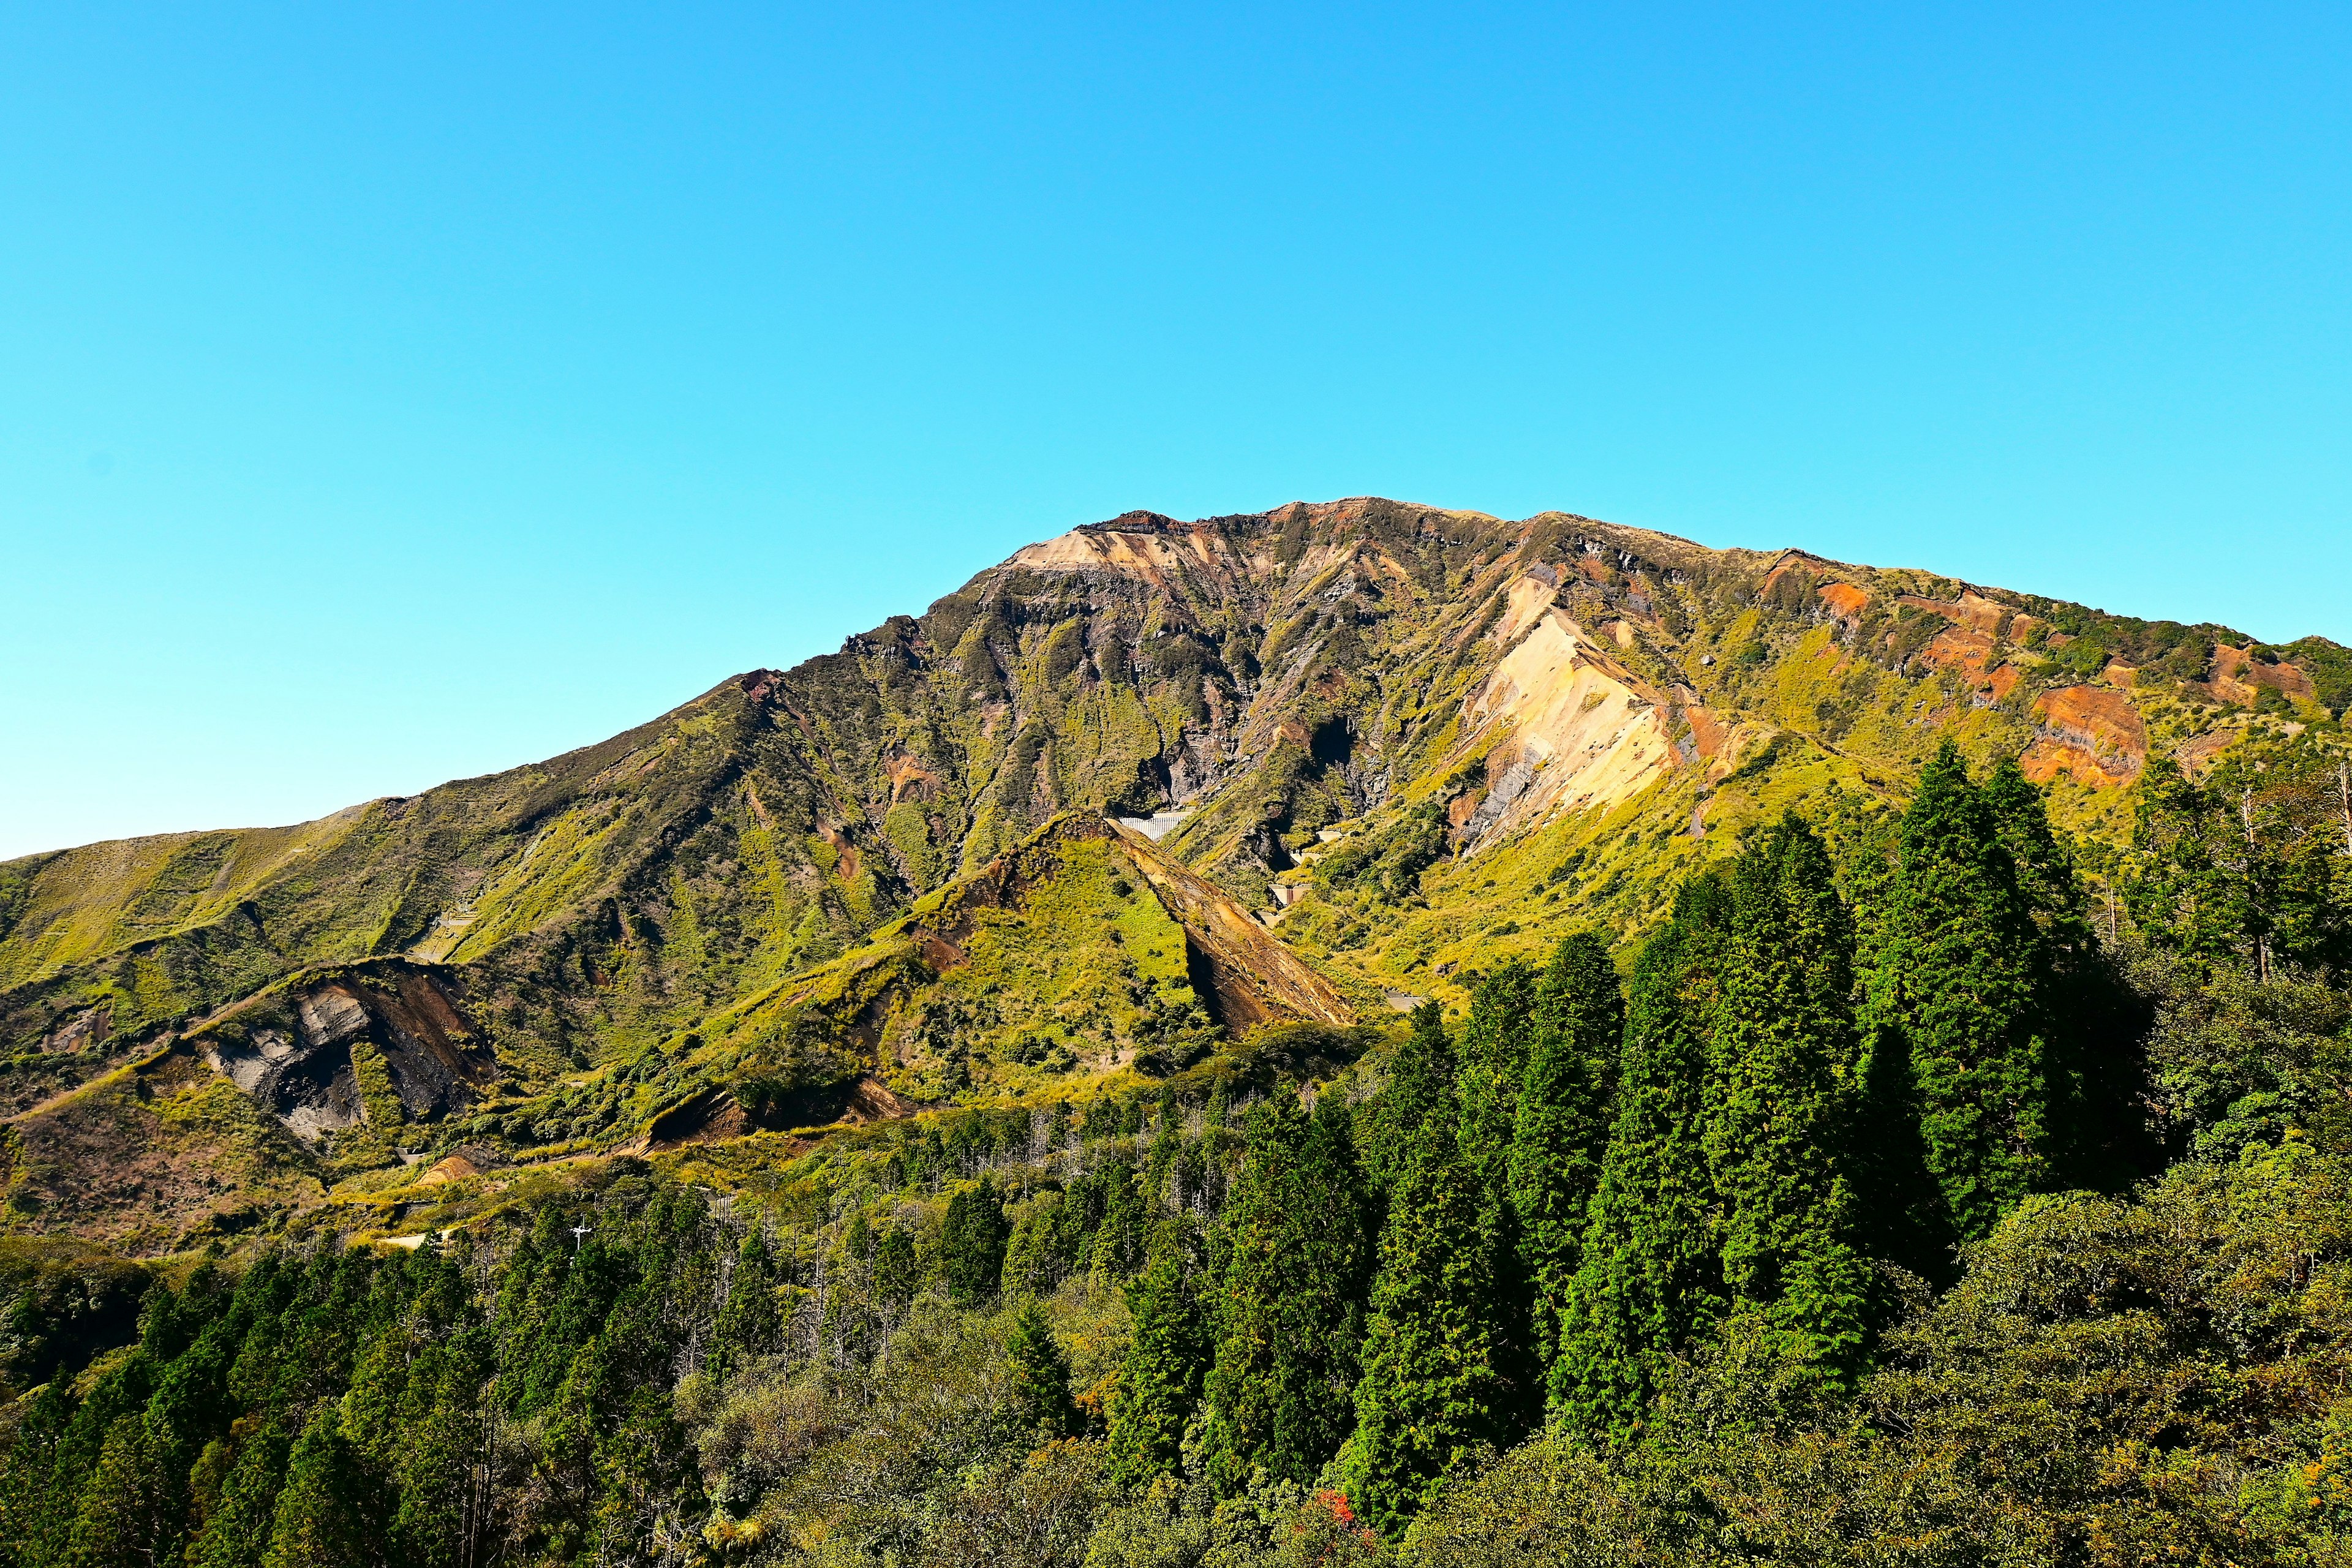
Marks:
<point>712,894</point>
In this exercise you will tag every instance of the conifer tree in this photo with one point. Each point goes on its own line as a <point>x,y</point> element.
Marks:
<point>440,1464</point>
<point>1778,1124</point>
<point>1159,1384</point>
<point>971,1244</point>
<point>1287,1303</point>
<point>28,1469</point>
<point>894,1272</point>
<point>1038,1377</point>
<point>2095,1024</point>
<point>1430,1399</point>
<point>1648,1282</point>
<point>1126,1221</point>
<point>122,1517</point>
<point>1419,1076</point>
<point>1497,1041</point>
<point>237,1532</point>
<point>1296,1255</point>
<point>327,1515</point>
<point>1167,1143</point>
<point>1561,1126</point>
<point>748,1321</point>
<point>1956,1028</point>
<point>1496,1046</point>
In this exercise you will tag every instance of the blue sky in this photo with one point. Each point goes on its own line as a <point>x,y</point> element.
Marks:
<point>389,393</point>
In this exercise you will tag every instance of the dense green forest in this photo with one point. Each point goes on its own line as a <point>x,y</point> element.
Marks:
<point>1926,1189</point>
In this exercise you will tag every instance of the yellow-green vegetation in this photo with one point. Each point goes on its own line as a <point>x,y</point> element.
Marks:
<point>731,896</point>
<point>1086,969</point>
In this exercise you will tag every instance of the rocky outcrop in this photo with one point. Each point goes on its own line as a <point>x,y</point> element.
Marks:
<point>293,1051</point>
<point>1250,977</point>
<point>1574,730</point>
<point>2241,676</point>
<point>2090,734</point>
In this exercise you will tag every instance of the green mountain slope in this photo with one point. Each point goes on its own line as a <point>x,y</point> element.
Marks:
<point>1430,740</point>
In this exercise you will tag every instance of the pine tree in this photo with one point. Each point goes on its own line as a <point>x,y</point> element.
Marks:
<point>27,1467</point>
<point>1126,1221</point>
<point>2096,1068</point>
<point>1562,1126</point>
<point>971,1244</point>
<point>1037,1377</point>
<point>1955,1029</point>
<point>1648,1282</point>
<point>1420,1075</point>
<point>1497,1040</point>
<point>441,1482</point>
<point>1296,1255</point>
<point>1168,1355</point>
<point>123,1515</point>
<point>237,1532</point>
<point>1779,1115</point>
<point>1167,1143</point>
<point>894,1270</point>
<point>327,1514</point>
<point>1496,1045</point>
<point>748,1321</point>
<point>1430,1399</point>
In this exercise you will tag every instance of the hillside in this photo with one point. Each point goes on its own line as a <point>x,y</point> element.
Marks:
<point>1415,743</point>
<point>1353,1036</point>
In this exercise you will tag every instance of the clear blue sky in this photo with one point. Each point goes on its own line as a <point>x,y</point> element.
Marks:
<point>395,393</point>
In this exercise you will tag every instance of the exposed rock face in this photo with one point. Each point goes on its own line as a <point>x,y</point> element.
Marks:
<point>1247,975</point>
<point>1580,730</point>
<point>1246,684</point>
<point>2092,734</point>
<point>2239,677</point>
<point>305,1075</point>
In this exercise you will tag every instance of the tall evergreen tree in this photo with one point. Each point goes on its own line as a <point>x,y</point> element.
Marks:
<point>1498,1039</point>
<point>1168,1355</point>
<point>1562,1127</point>
<point>1957,1050</point>
<point>1421,1075</point>
<point>123,1513</point>
<point>28,1469</point>
<point>1289,1301</point>
<point>894,1270</point>
<point>328,1515</point>
<point>972,1238</point>
<point>748,1321</point>
<point>1779,1115</point>
<point>1125,1228</point>
<point>2096,1068</point>
<point>1648,1282</point>
<point>1038,1377</point>
<point>236,1533</point>
<point>1431,1397</point>
<point>441,1465</point>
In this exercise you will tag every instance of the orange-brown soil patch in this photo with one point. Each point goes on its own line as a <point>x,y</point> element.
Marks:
<point>1845,601</point>
<point>2088,727</point>
<point>2197,754</point>
<point>1959,647</point>
<point>2239,677</point>
<point>1708,733</point>
<point>2046,759</point>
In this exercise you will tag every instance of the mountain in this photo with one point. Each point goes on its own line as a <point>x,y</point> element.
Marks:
<point>1366,750</point>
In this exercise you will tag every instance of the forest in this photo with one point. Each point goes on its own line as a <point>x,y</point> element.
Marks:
<point>1929,1188</point>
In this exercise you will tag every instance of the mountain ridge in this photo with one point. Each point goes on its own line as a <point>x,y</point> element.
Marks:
<point>1345,712</point>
